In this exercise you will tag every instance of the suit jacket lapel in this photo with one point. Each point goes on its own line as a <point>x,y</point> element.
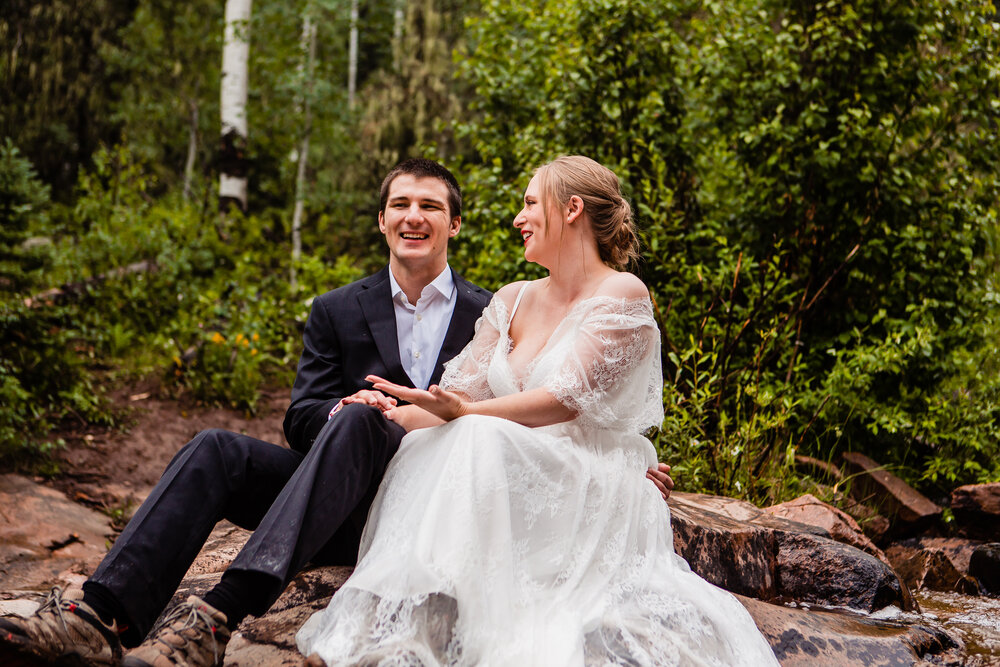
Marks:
<point>376,304</point>
<point>467,310</point>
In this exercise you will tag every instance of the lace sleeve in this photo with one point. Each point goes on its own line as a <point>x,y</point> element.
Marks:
<point>467,371</point>
<point>610,374</point>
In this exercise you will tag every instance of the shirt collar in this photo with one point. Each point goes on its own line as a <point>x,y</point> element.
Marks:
<point>444,285</point>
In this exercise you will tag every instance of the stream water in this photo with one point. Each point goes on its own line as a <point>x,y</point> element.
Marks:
<point>974,620</point>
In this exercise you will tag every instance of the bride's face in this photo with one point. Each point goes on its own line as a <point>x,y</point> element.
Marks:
<point>532,224</point>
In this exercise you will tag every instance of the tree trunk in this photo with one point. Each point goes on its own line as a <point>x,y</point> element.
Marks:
<point>398,21</point>
<point>306,81</point>
<point>235,65</point>
<point>352,56</point>
<point>192,147</point>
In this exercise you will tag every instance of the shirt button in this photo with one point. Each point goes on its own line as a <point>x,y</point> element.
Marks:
<point>419,317</point>
<point>417,355</point>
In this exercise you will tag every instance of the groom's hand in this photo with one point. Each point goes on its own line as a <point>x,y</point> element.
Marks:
<point>371,397</point>
<point>660,476</point>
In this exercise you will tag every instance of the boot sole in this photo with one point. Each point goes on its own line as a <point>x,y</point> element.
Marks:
<point>15,653</point>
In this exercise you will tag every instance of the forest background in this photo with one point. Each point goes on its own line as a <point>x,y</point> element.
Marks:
<point>816,185</point>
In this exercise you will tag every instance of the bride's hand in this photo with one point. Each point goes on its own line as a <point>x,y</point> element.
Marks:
<point>412,417</point>
<point>445,404</point>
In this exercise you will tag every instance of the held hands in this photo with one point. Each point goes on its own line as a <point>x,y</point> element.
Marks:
<point>446,405</point>
<point>369,397</point>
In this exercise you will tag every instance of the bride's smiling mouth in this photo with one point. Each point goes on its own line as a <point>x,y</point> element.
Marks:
<point>525,235</point>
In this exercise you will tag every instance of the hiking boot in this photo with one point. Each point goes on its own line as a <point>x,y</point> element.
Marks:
<point>62,632</point>
<point>193,634</point>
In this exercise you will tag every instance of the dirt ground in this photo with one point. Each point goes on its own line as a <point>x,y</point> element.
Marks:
<point>114,469</point>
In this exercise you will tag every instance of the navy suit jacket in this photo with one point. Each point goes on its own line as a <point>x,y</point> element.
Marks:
<point>350,334</point>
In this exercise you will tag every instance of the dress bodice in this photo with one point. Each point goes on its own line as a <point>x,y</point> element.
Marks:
<point>602,360</point>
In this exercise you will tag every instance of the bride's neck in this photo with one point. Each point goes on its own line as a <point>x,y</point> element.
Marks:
<point>574,281</point>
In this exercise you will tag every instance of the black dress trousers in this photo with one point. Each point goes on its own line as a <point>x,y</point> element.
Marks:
<point>301,508</point>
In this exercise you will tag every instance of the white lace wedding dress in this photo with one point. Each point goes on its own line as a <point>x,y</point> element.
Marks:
<point>491,543</point>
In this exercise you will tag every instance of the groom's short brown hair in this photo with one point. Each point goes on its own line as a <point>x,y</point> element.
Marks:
<point>419,167</point>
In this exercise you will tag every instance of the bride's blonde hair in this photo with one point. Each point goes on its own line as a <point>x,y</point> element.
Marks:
<point>609,213</point>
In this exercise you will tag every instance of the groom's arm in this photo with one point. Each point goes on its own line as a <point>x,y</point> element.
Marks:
<point>319,381</point>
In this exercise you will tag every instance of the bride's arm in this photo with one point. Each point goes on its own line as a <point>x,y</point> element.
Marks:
<point>535,407</point>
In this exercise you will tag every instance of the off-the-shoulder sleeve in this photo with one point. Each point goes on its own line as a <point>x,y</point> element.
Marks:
<point>467,371</point>
<point>610,374</point>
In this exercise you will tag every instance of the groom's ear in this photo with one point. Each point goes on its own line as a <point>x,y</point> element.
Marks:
<point>456,224</point>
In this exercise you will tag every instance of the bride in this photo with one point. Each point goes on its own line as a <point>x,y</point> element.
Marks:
<point>514,526</point>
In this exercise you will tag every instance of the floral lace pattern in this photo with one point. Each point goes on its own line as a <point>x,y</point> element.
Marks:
<point>491,543</point>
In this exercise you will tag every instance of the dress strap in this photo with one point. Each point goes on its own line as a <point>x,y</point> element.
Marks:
<point>517,302</point>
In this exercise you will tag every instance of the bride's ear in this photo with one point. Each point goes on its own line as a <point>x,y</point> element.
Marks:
<point>574,208</point>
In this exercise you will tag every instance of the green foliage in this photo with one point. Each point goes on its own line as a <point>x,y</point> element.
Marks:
<point>815,188</point>
<point>58,83</point>
<point>23,202</point>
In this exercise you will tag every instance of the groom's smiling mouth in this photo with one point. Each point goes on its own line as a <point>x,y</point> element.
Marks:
<point>414,236</point>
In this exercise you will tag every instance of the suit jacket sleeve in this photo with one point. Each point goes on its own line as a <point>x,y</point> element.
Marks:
<point>319,382</point>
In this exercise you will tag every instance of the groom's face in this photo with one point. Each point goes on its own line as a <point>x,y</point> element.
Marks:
<point>417,223</point>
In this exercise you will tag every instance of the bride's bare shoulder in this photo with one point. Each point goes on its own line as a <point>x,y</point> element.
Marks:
<point>624,285</point>
<point>508,293</point>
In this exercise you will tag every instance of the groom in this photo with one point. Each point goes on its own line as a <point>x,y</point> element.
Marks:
<point>306,503</point>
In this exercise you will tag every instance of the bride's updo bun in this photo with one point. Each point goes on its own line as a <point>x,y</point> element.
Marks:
<point>609,213</point>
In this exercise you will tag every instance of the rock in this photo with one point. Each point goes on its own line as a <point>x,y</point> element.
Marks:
<point>45,539</point>
<point>984,565</point>
<point>819,570</point>
<point>907,509</point>
<point>937,563</point>
<point>838,524</point>
<point>977,510</point>
<point>813,637</point>
<point>734,555</point>
<point>874,525</point>
<point>746,550</point>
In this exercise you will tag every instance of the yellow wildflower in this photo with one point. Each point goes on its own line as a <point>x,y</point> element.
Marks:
<point>218,338</point>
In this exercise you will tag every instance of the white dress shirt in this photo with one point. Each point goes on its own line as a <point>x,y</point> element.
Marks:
<point>421,327</point>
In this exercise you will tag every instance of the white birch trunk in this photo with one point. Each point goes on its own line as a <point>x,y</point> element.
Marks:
<point>398,20</point>
<point>235,66</point>
<point>352,56</point>
<point>305,81</point>
<point>192,148</point>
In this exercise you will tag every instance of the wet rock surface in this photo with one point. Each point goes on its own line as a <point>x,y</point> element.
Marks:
<point>817,637</point>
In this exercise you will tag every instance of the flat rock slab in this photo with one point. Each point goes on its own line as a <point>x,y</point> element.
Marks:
<point>45,538</point>
<point>907,509</point>
<point>813,638</point>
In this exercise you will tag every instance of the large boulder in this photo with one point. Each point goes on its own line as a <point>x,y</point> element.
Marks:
<point>937,563</point>
<point>46,539</point>
<point>977,510</point>
<point>838,524</point>
<point>739,547</point>
<point>907,509</point>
